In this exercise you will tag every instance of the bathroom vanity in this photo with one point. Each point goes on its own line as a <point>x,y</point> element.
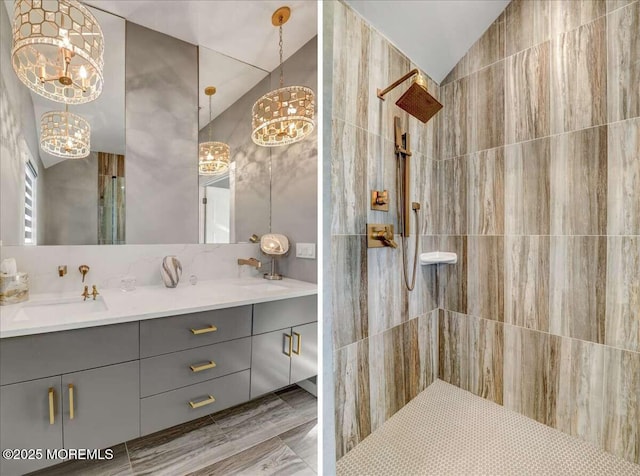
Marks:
<point>127,371</point>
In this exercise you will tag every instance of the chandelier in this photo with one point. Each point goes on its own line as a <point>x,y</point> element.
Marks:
<point>58,50</point>
<point>213,158</point>
<point>64,134</point>
<point>285,115</point>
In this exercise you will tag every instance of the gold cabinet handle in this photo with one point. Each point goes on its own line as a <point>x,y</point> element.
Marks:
<point>199,368</point>
<point>299,346</point>
<point>204,330</point>
<point>202,403</point>
<point>52,417</point>
<point>287,336</point>
<point>71,415</point>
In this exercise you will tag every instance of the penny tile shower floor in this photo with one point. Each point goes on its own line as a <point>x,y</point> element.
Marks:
<point>274,434</point>
<point>449,431</point>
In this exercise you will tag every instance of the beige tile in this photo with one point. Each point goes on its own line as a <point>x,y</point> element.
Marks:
<point>420,346</point>
<point>452,199</point>
<point>615,4</point>
<point>526,24</point>
<point>452,279</point>
<point>489,48</point>
<point>460,70</point>
<point>485,358</point>
<point>425,190</point>
<point>490,106</point>
<point>485,189</point>
<point>424,298</point>
<point>485,277</point>
<point>456,121</point>
<point>453,345</point>
<point>385,289</point>
<point>381,175</point>
<point>568,15</point>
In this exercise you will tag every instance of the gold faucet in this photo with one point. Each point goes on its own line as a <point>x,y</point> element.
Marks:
<point>95,292</point>
<point>62,270</point>
<point>250,262</point>
<point>85,294</point>
<point>84,269</point>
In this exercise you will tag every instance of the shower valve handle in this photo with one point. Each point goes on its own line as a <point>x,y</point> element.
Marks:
<point>386,236</point>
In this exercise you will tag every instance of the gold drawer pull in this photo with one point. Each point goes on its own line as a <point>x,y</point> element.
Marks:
<point>299,346</point>
<point>71,401</point>
<point>288,354</point>
<point>199,368</point>
<point>203,403</point>
<point>204,330</point>
<point>52,417</point>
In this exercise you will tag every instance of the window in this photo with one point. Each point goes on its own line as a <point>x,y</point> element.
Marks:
<point>30,177</point>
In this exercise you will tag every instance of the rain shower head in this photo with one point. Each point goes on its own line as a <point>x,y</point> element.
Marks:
<point>416,100</point>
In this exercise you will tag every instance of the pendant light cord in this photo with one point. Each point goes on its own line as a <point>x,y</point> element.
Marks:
<point>281,67</point>
<point>210,125</point>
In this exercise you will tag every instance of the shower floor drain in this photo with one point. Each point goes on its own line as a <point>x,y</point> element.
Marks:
<point>448,431</point>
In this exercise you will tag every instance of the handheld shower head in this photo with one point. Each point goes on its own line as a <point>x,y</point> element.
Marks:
<point>416,100</point>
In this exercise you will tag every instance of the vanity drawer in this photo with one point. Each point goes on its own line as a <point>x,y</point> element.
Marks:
<point>274,315</point>
<point>171,334</point>
<point>166,372</point>
<point>172,408</point>
<point>43,355</point>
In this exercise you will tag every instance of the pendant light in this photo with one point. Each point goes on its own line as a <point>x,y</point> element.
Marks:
<point>214,157</point>
<point>58,49</point>
<point>285,115</point>
<point>64,134</point>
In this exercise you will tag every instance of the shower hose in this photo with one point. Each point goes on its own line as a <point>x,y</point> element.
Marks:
<point>403,244</point>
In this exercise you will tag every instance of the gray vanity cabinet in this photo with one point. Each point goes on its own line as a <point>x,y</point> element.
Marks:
<point>304,357</point>
<point>31,418</point>
<point>106,406</point>
<point>270,362</point>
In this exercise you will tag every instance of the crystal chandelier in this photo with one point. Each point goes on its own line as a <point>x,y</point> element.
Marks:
<point>58,50</point>
<point>64,134</point>
<point>285,115</point>
<point>214,157</point>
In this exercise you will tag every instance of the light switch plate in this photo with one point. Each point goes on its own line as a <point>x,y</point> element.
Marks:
<point>306,250</point>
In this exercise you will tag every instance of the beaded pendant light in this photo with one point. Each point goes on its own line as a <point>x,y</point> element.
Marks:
<point>214,157</point>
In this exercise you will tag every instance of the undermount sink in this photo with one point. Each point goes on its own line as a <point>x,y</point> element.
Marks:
<point>69,307</point>
<point>263,287</point>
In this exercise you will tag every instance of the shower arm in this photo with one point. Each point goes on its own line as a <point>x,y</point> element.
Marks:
<point>382,92</point>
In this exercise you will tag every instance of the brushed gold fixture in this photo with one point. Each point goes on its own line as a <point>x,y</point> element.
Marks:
<point>94,292</point>
<point>284,115</point>
<point>250,262</point>
<point>380,200</point>
<point>214,157</point>
<point>199,368</point>
<point>202,403</point>
<point>416,100</point>
<point>254,238</point>
<point>380,235</point>
<point>204,330</point>
<point>62,270</point>
<point>84,269</point>
<point>85,294</point>
<point>289,345</point>
<point>71,411</point>
<point>52,417</point>
<point>299,346</point>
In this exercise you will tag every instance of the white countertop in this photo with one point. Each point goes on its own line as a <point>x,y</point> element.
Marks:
<point>146,302</point>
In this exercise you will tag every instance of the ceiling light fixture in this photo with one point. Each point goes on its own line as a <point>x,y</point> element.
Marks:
<point>64,134</point>
<point>58,49</point>
<point>285,115</point>
<point>214,157</point>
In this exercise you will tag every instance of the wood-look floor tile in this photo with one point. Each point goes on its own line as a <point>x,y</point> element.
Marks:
<point>569,15</point>
<point>457,128</point>
<point>485,192</point>
<point>622,321</point>
<point>527,102</point>
<point>623,67</point>
<point>577,287</point>
<point>118,466</point>
<point>349,293</point>
<point>453,345</point>
<point>623,176</point>
<point>485,358</point>
<point>485,277</point>
<point>490,47</point>
<point>303,402</point>
<point>269,457</point>
<point>420,346</point>
<point>622,403</point>
<point>489,105</point>
<point>452,200</point>
<point>579,182</point>
<point>527,188</point>
<point>452,279</point>
<point>526,280</point>
<point>526,24</point>
<point>303,440</point>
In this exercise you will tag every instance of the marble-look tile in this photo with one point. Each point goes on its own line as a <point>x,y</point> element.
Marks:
<point>526,24</point>
<point>623,67</point>
<point>420,346</point>
<point>424,298</point>
<point>351,399</point>
<point>579,182</point>
<point>490,47</point>
<point>568,15</point>
<point>452,200</point>
<point>453,348</point>
<point>527,182</point>
<point>269,457</point>
<point>385,289</point>
<point>425,190</point>
<point>386,375</point>
<point>381,175</point>
<point>457,128</point>
<point>577,287</point>
<point>579,78</point>
<point>485,358</point>
<point>527,102</point>
<point>349,294</point>
<point>303,440</point>
<point>485,189</point>
<point>452,279</point>
<point>623,176</point>
<point>303,403</point>
<point>621,427</point>
<point>118,466</point>
<point>489,105</point>
<point>485,277</point>
<point>350,67</point>
<point>622,321</point>
<point>615,4</point>
<point>526,281</point>
<point>349,195</point>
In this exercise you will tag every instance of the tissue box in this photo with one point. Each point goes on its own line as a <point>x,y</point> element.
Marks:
<point>14,289</point>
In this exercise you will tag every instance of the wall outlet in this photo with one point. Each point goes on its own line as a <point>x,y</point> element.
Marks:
<point>306,250</point>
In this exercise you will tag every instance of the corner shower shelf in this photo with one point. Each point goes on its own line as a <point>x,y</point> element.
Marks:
<point>438,257</point>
